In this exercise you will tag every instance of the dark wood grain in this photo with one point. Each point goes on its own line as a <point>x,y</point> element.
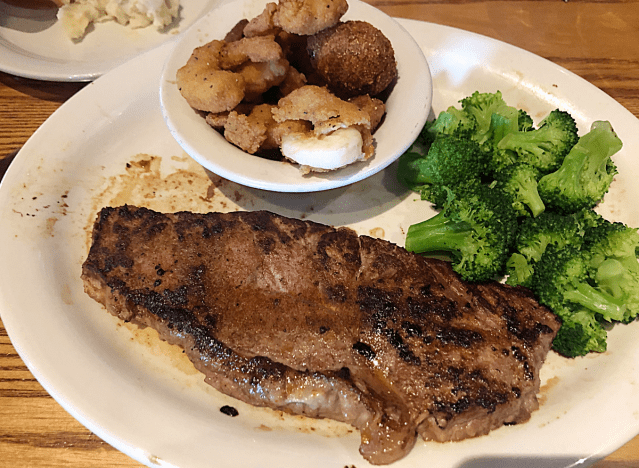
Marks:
<point>597,40</point>
<point>25,104</point>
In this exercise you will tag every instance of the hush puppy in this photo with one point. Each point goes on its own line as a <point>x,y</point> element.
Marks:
<point>353,58</point>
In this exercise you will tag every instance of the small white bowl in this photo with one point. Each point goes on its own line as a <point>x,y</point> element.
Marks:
<point>407,108</point>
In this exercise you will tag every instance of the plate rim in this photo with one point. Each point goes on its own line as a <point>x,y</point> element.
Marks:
<point>43,68</point>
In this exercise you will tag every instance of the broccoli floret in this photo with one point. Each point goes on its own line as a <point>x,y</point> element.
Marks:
<point>455,122</point>
<point>533,237</point>
<point>562,282</point>
<point>492,114</point>
<point>580,333</point>
<point>408,172</point>
<point>587,281</point>
<point>520,182</point>
<point>613,249</point>
<point>588,219</point>
<point>563,276</point>
<point>525,121</point>
<point>536,234</point>
<point>450,160</point>
<point>519,270</point>
<point>586,172</point>
<point>475,228</point>
<point>543,148</point>
<point>425,137</point>
<point>484,118</point>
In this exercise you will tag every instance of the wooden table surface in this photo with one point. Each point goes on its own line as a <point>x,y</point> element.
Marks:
<point>597,40</point>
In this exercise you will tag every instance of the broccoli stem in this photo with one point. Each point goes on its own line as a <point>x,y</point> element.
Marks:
<point>610,274</point>
<point>530,197</point>
<point>597,301</point>
<point>502,126</point>
<point>536,142</point>
<point>577,168</point>
<point>535,204</point>
<point>439,233</point>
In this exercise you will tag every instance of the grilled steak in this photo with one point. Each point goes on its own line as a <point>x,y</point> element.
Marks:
<point>319,321</point>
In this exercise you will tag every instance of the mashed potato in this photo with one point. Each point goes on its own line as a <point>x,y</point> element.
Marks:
<point>77,15</point>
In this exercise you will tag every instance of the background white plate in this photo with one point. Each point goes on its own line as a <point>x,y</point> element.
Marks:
<point>406,108</point>
<point>34,45</point>
<point>121,385</point>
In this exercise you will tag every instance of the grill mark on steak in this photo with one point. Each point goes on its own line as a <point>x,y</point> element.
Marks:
<point>318,321</point>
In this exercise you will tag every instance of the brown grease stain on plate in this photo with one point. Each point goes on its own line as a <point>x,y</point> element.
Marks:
<point>149,338</point>
<point>46,209</point>
<point>547,388</point>
<point>377,232</point>
<point>49,225</point>
<point>143,183</point>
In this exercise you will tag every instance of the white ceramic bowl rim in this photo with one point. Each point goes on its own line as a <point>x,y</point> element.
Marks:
<point>407,108</point>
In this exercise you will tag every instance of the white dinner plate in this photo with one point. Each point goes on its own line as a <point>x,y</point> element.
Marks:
<point>109,145</point>
<point>33,43</point>
<point>406,108</point>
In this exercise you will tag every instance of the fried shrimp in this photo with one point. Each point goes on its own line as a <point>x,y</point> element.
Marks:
<point>218,75</point>
<point>237,32</point>
<point>254,49</point>
<point>292,81</point>
<point>275,131</point>
<point>256,130</point>
<point>245,132</point>
<point>324,110</point>
<point>263,23</point>
<point>205,86</point>
<point>259,77</point>
<point>354,58</point>
<point>279,130</point>
<point>341,132</point>
<point>374,107</point>
<point>308,16</point>
<point>325,152</point>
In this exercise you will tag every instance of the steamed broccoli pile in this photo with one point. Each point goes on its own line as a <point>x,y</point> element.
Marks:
<point>589,285</point>
<point>518,202</point>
